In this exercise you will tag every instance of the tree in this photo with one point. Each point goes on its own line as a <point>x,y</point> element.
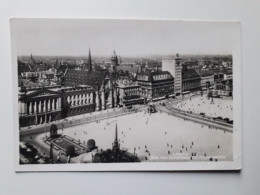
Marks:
<point>70,151</point>
<point>91,144</point>
<point>53,131</point>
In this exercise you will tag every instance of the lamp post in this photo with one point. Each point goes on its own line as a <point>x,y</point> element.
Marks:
<point>45,125</point>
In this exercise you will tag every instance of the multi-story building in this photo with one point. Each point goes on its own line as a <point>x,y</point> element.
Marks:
<point>191,80</point>
<point>178,75</point>
<point>47,104</point>
<point>130,94</point>
<point>224,88</point>
<point>228,75</point>
<point>207,79</point>
<point>218,77</point>
<point>155,84</point>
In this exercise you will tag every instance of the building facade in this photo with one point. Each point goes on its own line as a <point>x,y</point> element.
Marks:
<point>155,84</point>
<point>207,79</point>
<point>224,88</point>
<point>43,105</point>
<point>191,80</point>
<point>130,95</point>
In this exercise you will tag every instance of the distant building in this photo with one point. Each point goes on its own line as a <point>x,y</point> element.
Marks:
<point>155,84</point>
<point>169,65</point>
<point>228,75</point>
<point>89,62</point>
<point>207,79</point>
<point>31,75</point>
<point>114,61</point>
<point>218,77</point>
<point>130,68</point>
<point>224,88</point>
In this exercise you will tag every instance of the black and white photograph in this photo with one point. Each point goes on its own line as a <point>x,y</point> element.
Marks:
<point>126,95</point>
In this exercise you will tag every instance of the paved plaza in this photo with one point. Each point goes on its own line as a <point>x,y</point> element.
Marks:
<point>159,136</point>
<point>222,107</point>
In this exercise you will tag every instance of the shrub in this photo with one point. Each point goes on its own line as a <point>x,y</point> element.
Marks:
<point>53,131</point>
<point>70,151</point>
<point>91,144</point>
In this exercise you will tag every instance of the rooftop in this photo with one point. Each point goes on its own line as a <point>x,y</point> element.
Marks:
<point>80,77</point>
<point>154,76</point>
<point>190,73</point>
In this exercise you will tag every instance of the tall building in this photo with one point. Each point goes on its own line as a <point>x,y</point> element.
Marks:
<point>169,65</point>
<point>178,75</point>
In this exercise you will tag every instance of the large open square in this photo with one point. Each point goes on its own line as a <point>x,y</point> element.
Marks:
<point>159,136</point>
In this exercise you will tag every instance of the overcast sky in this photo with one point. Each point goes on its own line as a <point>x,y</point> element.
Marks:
<point>128,37</point>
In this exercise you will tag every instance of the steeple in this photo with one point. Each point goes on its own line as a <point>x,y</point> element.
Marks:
<point>116,134</point>
<point>32,59</point>
<point>116,144</point>
<point>89,61</point>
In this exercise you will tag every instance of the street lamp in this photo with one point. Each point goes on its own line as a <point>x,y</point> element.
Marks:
<point>45,125</point>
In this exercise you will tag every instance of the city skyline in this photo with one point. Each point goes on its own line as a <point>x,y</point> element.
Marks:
<point>60,37</point>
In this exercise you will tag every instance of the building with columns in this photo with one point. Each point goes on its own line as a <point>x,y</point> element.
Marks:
<point>43,105</point>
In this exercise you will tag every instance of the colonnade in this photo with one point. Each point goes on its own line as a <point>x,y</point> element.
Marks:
<point>39,106</point>
<point>80,99</point>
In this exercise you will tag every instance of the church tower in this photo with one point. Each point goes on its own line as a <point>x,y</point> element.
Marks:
<point>114,60</point>
<point>89,61</point>
<point>116,146</point>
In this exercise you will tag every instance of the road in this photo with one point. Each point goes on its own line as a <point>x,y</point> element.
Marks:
<point>78,120</point>
<point>101,115</point>
<point>195,118</point>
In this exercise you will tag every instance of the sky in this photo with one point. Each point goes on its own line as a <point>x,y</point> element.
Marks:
<point>73,37</point>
